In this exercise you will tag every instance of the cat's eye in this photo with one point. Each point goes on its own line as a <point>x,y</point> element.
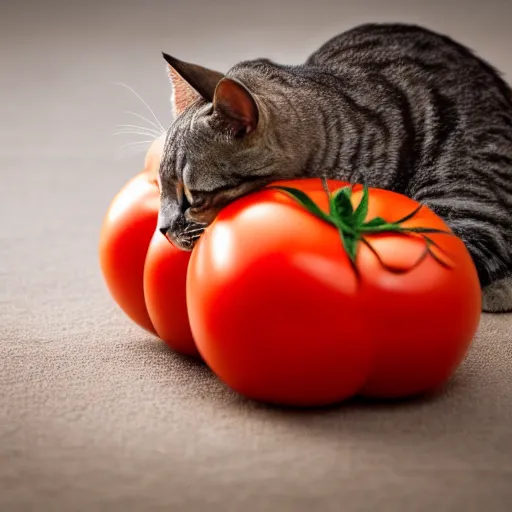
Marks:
<point>182,198</point>
<point>193,199</point>
<point>188,195</point>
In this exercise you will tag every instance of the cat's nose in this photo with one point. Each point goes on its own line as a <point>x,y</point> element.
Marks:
<point>164,230</point>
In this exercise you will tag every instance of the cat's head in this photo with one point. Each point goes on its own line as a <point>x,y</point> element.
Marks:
<point>217,149</point>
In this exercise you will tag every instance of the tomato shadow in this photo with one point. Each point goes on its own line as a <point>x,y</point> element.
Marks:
<point>371,433</point>
<point>432,427</point>
<point>357,403</point>
<point>195,372</point>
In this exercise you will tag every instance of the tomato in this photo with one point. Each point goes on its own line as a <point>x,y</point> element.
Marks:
<point>165,275</point>
<point>144,273</point>
<point>281,313</point>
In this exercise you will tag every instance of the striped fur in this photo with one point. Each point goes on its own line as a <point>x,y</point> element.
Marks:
<point>393,106</point>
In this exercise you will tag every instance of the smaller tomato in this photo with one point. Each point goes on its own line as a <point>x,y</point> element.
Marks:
<point>165,278</point>
<point>125,236</point>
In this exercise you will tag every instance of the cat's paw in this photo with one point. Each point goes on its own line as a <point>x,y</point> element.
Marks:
<point>497,297</point>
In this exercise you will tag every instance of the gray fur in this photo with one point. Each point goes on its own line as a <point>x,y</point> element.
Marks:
<point>497,296</point>
<point>392,106</point>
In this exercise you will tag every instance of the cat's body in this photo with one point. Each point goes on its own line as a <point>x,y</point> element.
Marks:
<point>391,106</point>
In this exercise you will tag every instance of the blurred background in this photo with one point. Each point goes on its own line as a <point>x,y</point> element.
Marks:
<point>61,59</point>
<point>61,62</point>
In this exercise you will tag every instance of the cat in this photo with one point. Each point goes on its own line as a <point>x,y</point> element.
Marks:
<point>393,106</point>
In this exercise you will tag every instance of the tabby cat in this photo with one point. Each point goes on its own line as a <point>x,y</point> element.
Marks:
<point>392,106</point>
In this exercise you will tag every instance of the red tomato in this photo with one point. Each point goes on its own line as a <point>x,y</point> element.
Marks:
<point>278,312</point>
<point>124,241</point>
<point>145,274</point>
<point>165,277</point>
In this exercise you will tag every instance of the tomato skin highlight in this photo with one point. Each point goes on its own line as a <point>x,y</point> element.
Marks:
<point>278,314</point>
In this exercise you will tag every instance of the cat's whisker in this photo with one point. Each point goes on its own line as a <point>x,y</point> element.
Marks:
<point>133,145</point>
<point>145,128</point>
<point>145,119</point>
<point>191,231</point>
<point>136,143</point>
<point>144,102</point>
<point>133,132</point>
<point>196,225</point>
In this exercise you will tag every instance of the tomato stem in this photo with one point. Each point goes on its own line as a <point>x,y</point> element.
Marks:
<point>352,224</point>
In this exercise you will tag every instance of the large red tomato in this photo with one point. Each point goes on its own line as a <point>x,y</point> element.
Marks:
<point>281,313</point>
<point>145,274</point>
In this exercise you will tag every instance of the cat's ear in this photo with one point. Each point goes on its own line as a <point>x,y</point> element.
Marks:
<point>235,104</point>
<point>190,82</point>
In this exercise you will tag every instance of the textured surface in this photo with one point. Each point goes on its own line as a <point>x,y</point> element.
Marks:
<point>97,415</point>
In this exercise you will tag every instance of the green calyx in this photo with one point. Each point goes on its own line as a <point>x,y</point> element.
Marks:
<point>353,227</point>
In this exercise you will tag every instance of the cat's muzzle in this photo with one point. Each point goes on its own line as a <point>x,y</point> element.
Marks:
<point>187,238</point>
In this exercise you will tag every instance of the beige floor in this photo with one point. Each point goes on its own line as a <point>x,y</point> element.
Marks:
<point>97,415</point>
